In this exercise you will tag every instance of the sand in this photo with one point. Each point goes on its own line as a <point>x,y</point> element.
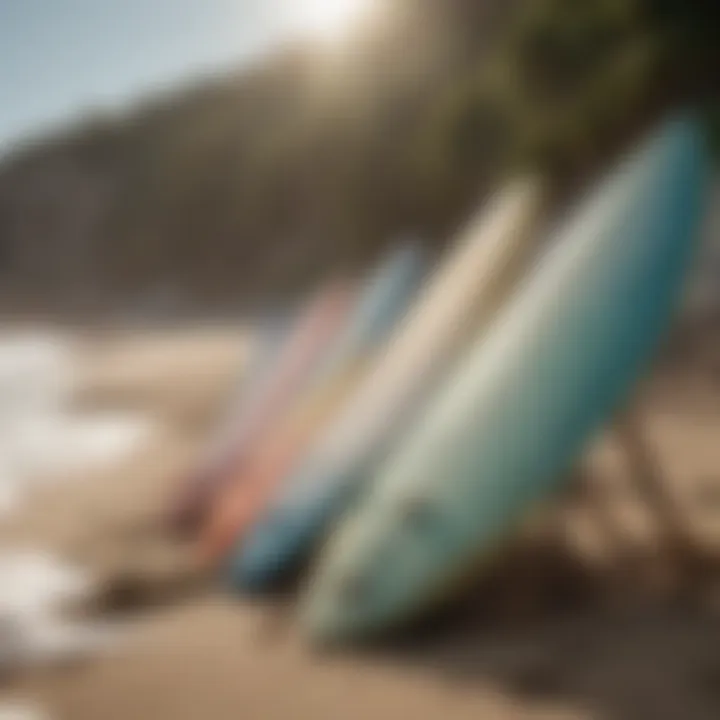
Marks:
<point>191,653</point>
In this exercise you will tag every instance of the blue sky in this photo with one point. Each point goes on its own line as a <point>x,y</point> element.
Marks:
<point>60,58</point>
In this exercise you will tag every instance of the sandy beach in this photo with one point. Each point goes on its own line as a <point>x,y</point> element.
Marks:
<point>190,652</point>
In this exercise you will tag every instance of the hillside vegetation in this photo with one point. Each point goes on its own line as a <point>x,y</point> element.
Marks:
<point>249,187</point>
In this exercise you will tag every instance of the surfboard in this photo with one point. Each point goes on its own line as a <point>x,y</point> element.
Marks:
<point>267,345</point>
<point>459,299</point>
<point>302,351</point>
<point>383,301</point>
<point>384,298</point>
<point>239,504</point>
<point>502,432</point>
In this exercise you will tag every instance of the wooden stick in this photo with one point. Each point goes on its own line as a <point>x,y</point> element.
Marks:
<point>648,479</point>
<point>615,577</point>
<point>675,539</point>
<point>680,561</point>
<point>586,478</point>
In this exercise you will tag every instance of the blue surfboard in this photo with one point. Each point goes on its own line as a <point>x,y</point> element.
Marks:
<point>383,300</point>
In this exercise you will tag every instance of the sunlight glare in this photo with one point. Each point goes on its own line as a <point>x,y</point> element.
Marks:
<point>328,18</point>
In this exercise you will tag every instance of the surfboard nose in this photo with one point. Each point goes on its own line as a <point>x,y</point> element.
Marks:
<point>331,619</point>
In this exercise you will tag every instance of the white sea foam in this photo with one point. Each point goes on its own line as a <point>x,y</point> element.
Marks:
<point>40,440</point>
<point>35,589</point>
<point>22,710</point>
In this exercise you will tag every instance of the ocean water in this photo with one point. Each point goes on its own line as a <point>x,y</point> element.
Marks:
<point>41,439</point>
<point>22,710</point>
<point>36,590</point>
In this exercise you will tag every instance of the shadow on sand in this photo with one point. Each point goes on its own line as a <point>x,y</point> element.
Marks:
<point>544,629</point>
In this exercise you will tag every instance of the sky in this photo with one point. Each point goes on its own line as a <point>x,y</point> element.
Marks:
<point>60,59</point>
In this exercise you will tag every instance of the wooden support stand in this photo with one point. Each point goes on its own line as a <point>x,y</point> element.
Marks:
<point>649,481</point>
<point>675,560</point>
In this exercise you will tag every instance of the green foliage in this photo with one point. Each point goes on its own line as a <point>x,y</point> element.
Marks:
<point>262,180</point>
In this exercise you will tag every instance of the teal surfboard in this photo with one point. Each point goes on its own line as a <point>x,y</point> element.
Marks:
<point>501,434</point>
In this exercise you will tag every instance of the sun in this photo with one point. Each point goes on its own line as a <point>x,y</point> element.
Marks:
<point>328,18</point>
